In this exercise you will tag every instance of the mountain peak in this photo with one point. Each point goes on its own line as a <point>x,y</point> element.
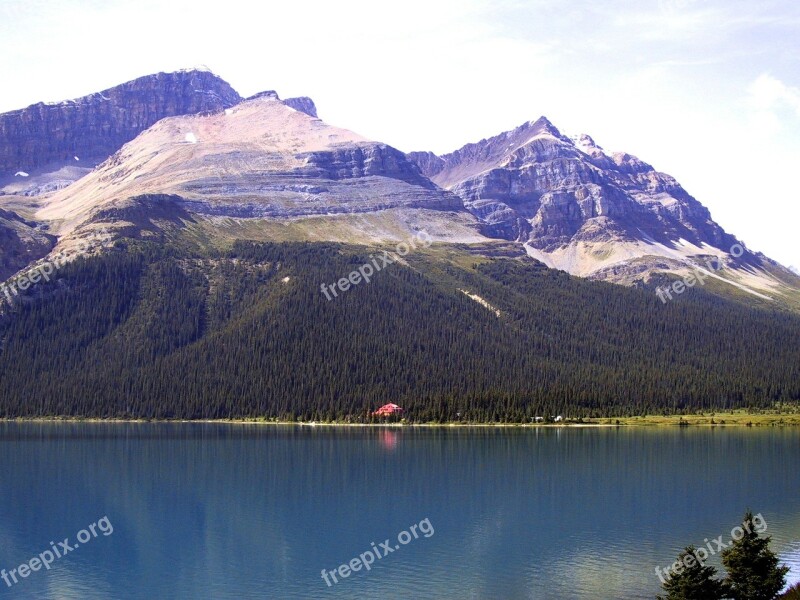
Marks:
<point>543,125</point>
<point>574,207</point>
<point>586,141</point>
<point>473,159</point>
<point>195,69</point>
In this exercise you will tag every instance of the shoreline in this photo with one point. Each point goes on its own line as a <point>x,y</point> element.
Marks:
<point>680,421</point>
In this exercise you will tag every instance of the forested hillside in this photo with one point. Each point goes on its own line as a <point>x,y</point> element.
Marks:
<point>152,332</point>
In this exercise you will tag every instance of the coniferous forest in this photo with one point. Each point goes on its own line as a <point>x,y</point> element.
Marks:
<point>149,331</point>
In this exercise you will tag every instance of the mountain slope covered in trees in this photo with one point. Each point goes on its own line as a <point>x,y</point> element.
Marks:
<point>153,331</point>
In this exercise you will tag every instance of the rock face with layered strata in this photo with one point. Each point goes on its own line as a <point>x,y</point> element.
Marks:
<point>259,159</point>
<point>93,127</point>
<point>533,184</point>
<point>572,204</point>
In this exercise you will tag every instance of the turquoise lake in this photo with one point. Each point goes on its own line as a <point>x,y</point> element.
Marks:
<point>252,511</point>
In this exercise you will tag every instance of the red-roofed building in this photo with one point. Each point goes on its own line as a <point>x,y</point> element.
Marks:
<point>387,410</point>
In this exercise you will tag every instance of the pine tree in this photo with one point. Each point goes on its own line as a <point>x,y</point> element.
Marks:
<point>692,580</point>
<point>753,571</point>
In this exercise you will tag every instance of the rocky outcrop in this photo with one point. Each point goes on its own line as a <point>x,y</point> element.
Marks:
<point>272,94</point>
<point>93,127</point>
<point>429,164</point>
<point>363,161</point>
<point>302,103</point>
<point>21,243</point>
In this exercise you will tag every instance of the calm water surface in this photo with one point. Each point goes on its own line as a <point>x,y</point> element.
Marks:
<point>238,511</point>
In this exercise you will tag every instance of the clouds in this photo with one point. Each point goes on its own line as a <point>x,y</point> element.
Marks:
<point>772,102</point>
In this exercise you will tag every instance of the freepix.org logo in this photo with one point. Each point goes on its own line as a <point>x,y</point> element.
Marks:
<point>378,551</point>
<point>368,270</point>
<point>59,550</point>
<point>41,272</point>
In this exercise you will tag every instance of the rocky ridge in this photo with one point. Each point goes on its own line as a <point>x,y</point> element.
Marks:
<point>578,208</point>
<point>93,127</point>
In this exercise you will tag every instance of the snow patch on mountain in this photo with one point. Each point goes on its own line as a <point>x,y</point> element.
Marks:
<point>480,301</point>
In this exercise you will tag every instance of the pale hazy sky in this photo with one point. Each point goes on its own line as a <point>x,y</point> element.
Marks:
<point>708,91</point>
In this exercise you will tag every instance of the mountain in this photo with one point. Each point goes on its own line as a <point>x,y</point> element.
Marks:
<point>261,164</point>
<point>203,241</point>
<point>183,154</point>
<point>60,142</point>
<point>213,165</point>
<point>595,214</point>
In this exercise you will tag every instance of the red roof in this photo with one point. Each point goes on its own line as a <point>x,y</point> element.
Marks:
<point>387,409</point>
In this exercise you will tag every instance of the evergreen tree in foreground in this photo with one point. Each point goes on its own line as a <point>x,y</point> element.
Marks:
<point>753,571</point>
<point>692,580</point>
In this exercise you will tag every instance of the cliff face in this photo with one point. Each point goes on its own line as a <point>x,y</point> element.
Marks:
<point>429,164</point>
<point>95,126</point>
<point>302,103</point>
<point>21,243</point>
<point>366,160</point>
<point>572,204</point>
<point>535,185</point>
